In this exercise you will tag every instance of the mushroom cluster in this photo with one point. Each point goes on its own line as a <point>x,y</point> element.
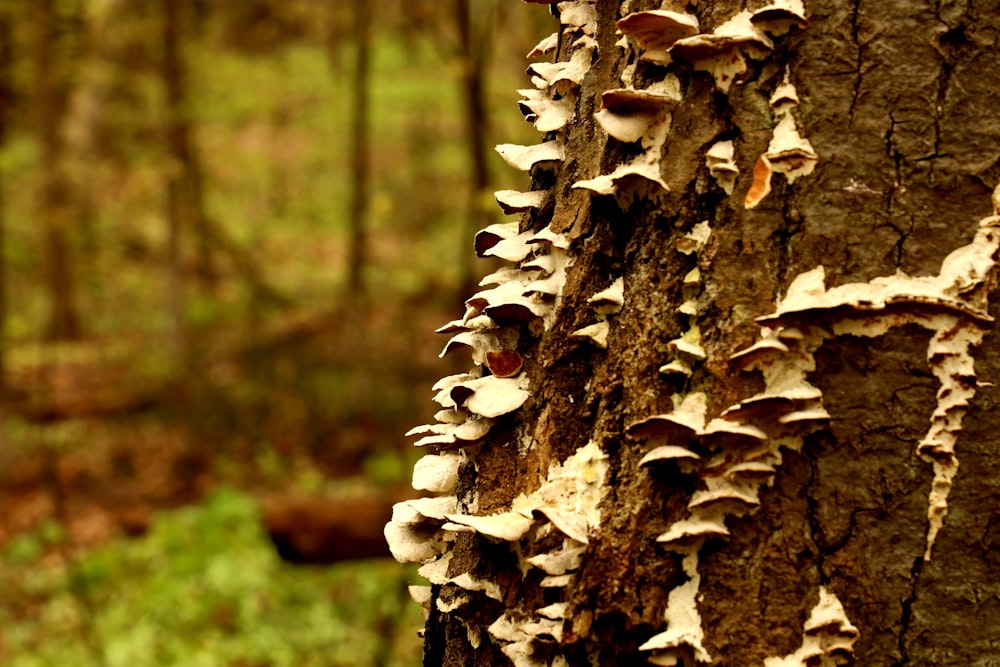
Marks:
<point>788,153</point>
<point>828,637</point>
<point>687,348</point>
<point>663,36</point>
<point>606,303</point>
<point>546,529</point>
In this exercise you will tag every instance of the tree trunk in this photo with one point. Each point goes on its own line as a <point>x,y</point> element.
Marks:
<point>176,201</point>
<point>54,199</point>
<point>6,100</point>
<point>473,51</point>
<point>761,464</point>
<point>360,158</point>
<point>185,190</point>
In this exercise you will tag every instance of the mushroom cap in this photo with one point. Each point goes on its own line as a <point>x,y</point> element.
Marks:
<point>658,29</point>
<point>766,347</point>
<point>626,101</point>
<point>610,299</point>
<point>668,453</point>
<point>688,348</point>
<point>526,157</point>
<point>749,470</point>
<point>504,363</point>
<point>513,201</point>
<point>596,333</point>
<point>490,396</point>
<point>694,530</point>
<point>675,428</point>
<point>489,236</point>
<point>727,496</point>
<point>624,176</point>
<point>722,432</point>
<point>571,524</point>
<point>507,526</point>
<point>780,15</point>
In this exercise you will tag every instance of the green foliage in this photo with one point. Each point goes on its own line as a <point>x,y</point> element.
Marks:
<point>203,588</point>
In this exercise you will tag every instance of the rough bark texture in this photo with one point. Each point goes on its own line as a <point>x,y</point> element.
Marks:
<point>898,101</point>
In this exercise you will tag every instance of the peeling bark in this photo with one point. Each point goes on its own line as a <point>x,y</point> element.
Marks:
<point>809,367</point>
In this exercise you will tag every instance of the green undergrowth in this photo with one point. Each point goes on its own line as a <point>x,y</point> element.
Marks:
<point>203,588</point>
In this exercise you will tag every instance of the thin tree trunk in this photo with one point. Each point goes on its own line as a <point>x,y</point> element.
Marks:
<point>6,55</point>
<point>54,199</point>
<point>713,417</point>
<point>186,176</point>
<point>175,199</point>
<point>360,153</point>
<point>473,52</point>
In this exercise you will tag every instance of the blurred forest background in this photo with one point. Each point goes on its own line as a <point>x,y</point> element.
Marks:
<point>228,229</point>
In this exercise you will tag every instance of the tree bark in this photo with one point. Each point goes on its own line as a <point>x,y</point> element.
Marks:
<point>674,495</point>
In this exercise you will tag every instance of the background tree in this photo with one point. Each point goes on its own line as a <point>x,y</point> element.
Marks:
<point>751,297</point>
<point>55,193</point>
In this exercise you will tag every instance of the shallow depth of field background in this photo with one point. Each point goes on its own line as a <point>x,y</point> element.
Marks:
<point>228,229</point>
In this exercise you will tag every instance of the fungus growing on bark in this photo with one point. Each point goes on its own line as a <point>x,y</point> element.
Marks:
<point>682,640</point>
<point>609,301</point>
<point>481,342</point>
<point>557,563</point>
<point>491,396</point>
<point>512,201</point>
<point>723,52</point>
<point>502,240</point>
<point>451,435</point>
<point>953,304</point>
<point>784,98</point>
<point>733,498</point>
<point>628,114</point>
<point>669,453</point>
<point>657,30</point>
<point>788,153</point>
<point>628,178</point>
<point>694,240</point>
<point>641,177</point>
<point>547,45</point>
<point>781,16</point>
<point>578,17</point>
<point>828,637</point>
<point>679,428</point>
<point>507,526</point>
<point>761,186</point>
<point>689,345</point>
<point>728,434</point>
<point>504,363</point>
<point>719,160</point>
<point>525,157</point>
<point>676,367</point>
<point>596,333</point>
<point>546,114</point>
<point>766,347</point>
<point>414,533</point>
<point>437,473</point>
